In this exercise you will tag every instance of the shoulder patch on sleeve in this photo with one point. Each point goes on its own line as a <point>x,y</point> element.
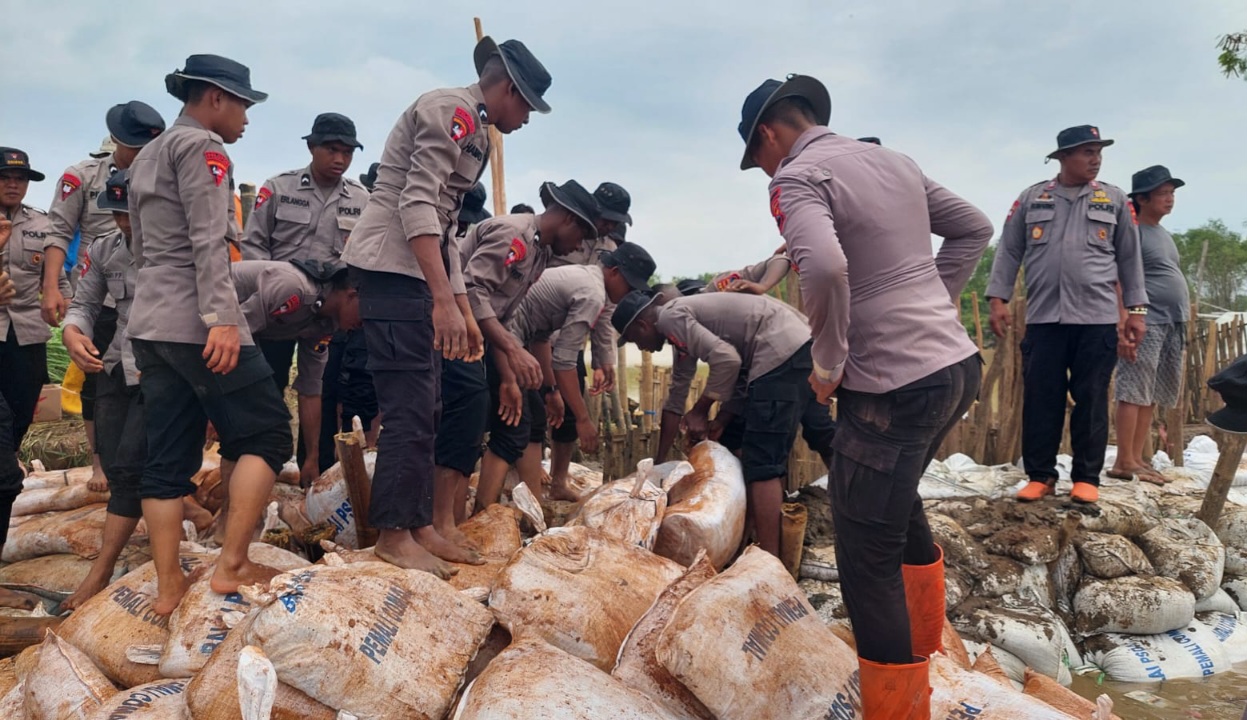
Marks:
<point>86,264</point>
<point>69,184</point>
<point>262,197</point>
<point>218,165</point>
<point>1133,217</point>
<point>294,302</point>
<point>518,252</point>
<point>777,212</point>
<point>1016,204</point>
<point>462,124</point>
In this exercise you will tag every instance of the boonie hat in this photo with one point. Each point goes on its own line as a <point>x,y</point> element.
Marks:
<point>771,92</point>
<point>633,304</point>
<point>333,127</point>
<point>530,77</point>
<point>134,124</point>
<point>1149,179</point>
<point>572,196</point>
<point>231,76</point>
<point>633,262</point>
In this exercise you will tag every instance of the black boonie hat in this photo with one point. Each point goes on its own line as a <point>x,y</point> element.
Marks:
<point>333,127</point>
<point>369,179</point>
<point>321,271</point>
<point>116,195</point>
<point>572,196</point>
<point>633,262</point>
<point>134,124</point>
<point>1078,135</point>
<point>619,234</point>
<point>771,92</point>
<point>690,286</point>
<point>231,76</point>
<point>14,159</point>
<point>633,304</point>
<point>870,139</point>
<point>526,71</point>
<point>474,199</point>
<point>1149,179</point>
<point>614,201</point>
<point>1231,383</point>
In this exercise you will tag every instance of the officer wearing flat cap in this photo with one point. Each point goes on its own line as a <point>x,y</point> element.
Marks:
<point>1079,242</point>
<point>196,358</point>
<point>77,222</point>
<point>888,341</point>
<point>413,296</point>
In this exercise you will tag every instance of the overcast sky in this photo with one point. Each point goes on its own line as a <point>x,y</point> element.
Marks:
<point>648,94</point>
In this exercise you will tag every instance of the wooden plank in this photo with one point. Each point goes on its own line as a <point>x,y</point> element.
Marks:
<point>497,170</point>
<point>358,485</point>
<point>1231,447</point>
<point>978,320</point>
<point>647,391</point>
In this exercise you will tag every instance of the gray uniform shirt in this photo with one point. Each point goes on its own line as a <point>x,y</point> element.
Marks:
<point>107,270</point>
<point>736,335</point>
<point>294,219</point>
<point>280,302</point>
<point>502,258</point>
<point>179,212</point>
<point>858,220</point>
<point>436,153</point>
<point>74,208</point>
<point>1077,244</point>
<point>23,256</point>
<point>567,301</point>
<point>603,335</point>
<point>1168,296</point>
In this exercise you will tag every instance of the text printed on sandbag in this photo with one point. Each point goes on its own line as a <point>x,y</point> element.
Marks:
<point>290,600</point>
<point>342,516</point>
<point>1197,652</point>
<point>139,605</point>
<point>216,635</point>
<point>763,633</point>
<point>382,633</point>
<point>848,702</point>
<point>140,700</point>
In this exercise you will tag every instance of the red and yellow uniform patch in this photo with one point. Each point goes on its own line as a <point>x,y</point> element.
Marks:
<point>86,265</point>
<point>462,124</point>
<point>69,184</point>
<point>517,253</point>
<point>218,165</point>
<point>1016,204</point>
<point>776,211</point>
<point>292,303</point>
<point>262,197</point>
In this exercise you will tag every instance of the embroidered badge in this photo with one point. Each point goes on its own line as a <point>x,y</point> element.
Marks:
<point>36,259</point>
<point>1103,234</point>
<point>262,197</point>
<point>1045,196</point>
<point>677,344</point>
<point>1095,132</point>
<point>86,264</point>
<point>461,125</point>
<point>776,211</point>
<point>292,304</point>
<point>1133,218</point>
<point>1016,204</point>
<point>518,252</point>
<point>322,345</point>
<point>1037,232</point>
<point>725,280</point>
<point>69,184</point>
<point>218,165</point>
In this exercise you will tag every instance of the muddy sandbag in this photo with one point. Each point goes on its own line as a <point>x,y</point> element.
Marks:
<point>1111,556</point>
<point>960,548</point>
<point>161,700</point>
<point>987,664</point>
<point>204,617</point>
<point>64,683</point>
<point>960,693</point>
<point>580,591</point>
<point>629,510</point>
<point>121,615</point>
<point>532,679</point>
<point>1232,529</point>
<point>1230,629</point>
<point>8,675</point>
<point>1001,577</point>
<point>1236,588</point>
<point>369,638</point>
<point>1186,550</point>
<point>80,532</point>
<point>1022,627</point>
<point>329,500</point>
<point>1220,602</point>
<point>1028,544</point>
<point>639,669</point>
<point>1191,652</point>
<point>705,509</point>
<point>57,573</point>
<point>57,499</point>
<point>1051,693</point>
<point>747,644</point>
<point>1132,604</point>
<point>213,693</point>
<point>495,532</point>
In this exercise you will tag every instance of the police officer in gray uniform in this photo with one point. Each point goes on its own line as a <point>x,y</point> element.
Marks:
<point>1079,240</point>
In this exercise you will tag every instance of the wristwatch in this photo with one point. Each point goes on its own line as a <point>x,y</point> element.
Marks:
<point>1140,310</point>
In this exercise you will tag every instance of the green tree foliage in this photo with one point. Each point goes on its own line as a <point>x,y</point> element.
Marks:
<point>1233,57</point>
<point>978,284</point>
<point>1225,270</point>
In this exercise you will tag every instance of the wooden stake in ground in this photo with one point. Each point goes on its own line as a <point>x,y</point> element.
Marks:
<point>496,168</point>
<point>358,485</point>
<point>1222,476</point>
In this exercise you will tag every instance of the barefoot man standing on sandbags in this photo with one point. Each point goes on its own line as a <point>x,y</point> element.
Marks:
<point>413,299</point>
<point>857,219</point>
<point>194,353</point>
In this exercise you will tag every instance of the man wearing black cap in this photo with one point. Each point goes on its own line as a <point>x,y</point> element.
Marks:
<point>369,179</point>
<point>196,358</point>
<point>307,214</point>
<point>473,210</point>
<point>413,296</point>
<point>889,342</point>
<point>1079,242</point>
<point>502,258</point>
<point>76,219</point>
<point>1150,373</point>
<point>25,235</point>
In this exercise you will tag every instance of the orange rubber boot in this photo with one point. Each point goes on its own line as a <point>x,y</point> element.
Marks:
<point>924,598</point>
<point>1084,492</point>
<point>895,692</point>
<point>1035,490</point>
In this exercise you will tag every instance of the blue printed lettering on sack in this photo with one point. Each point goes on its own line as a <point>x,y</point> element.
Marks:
<point>342,516</point>
<point>298,584</point>
<point>216,634</point>
<point>381,635</point>
<point>1205,663</point>
<point>1144,656</point>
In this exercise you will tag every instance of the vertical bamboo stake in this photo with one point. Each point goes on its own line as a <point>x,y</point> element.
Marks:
<point>647,392</point>
<point>978,320</point>
<point>496,167</point>
<point>246,195</point>
<point>1231,447</point>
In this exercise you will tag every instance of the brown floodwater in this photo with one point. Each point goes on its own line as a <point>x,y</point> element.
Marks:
<point>1220,697</point>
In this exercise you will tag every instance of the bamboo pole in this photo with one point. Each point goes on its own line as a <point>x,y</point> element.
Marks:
<point>978,320</point>
<point>246,196</point>
<point>497,169</point>
<point>358,485</point>
<point>647,392</point>
<point>1222,476</point>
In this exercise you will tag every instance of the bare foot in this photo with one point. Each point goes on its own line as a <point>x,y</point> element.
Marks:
<point>446,549</point>
<point>1120,472</point>
<point>401,549</point>
<point>563,493</point>
<point>169,594</point>
<point>192,511</point>
<point>227,579</point>
<point>88,589</point>
<point>1150,475</point>
<point>456,536</point>
<point>21,601</point>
